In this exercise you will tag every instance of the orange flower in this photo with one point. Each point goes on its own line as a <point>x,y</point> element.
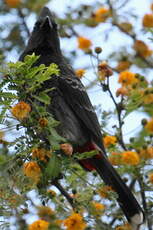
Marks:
<point>74,222</point>
<point>148,20</point>
<point>101,14</point>
<point>13,3</point>
<point>80,73</point>
<point>122,91</point>
<point>123,65</point>
<point>125,26</point>
<point>104,71</point>
<point>142,49</point>
<point>124,227</point>
<point>41,154</point>
<point>84,43</point>
<point>43,122</point>
<point>151,178</point>
<point>109,140</point>
<point>51,193</point>
<point>98,208</point>
<point>115,158</point>
<point>148,99</point>
<point>149,125</point>
<point>104,191</point>
<point>127,78</point>
<point>130,158</point>
<point>21,110</point>
<point>146,153</point>
<point>32,170</point>
<point>39,225</point>
<point>67,149</point>
<point>44,211</point>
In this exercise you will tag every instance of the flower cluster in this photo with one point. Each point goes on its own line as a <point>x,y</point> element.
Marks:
<point>84,43</point>
<point>109,141</point>
<point>126,158</point>
<point>104,191</point>
<point>67,149</point>
<point>150,178</point>
<point>126,226</point>
<point>104,71</point>
<point>51,193</point>
<point>115,158</point>
<point>130,158</point>
<point>43,122</point>
<point>45,212</point>
<point>146,153</point>
<point>21,110</point>
<point>122,91</point>
<point>142,49</point>
<point>32,170</point>
<point>13,3</point>
<point>125,26</point>
<point>39,225</point>
<point>127,78</point>
<point>149,125</point>
<point>80,73</point>
<point>123,65</point>
<point>41,154</point>
<point>74,222</point>
<point>148,20</point>
<point>98,208</point>
<point>101,14</point>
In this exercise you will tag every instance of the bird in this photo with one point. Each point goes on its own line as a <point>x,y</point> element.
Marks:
<point>71,106</point>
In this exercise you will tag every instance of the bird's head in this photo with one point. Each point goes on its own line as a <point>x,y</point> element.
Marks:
<point>44,37</point>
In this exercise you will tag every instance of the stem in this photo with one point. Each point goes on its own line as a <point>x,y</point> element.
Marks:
<point>144,203</point>
<point>64,193</point>
<point>119,111</point>
<point>21,15</point>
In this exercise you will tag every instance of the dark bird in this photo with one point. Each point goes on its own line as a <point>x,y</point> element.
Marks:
<point>71,106</point>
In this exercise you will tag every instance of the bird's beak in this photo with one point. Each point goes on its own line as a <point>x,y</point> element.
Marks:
<point>47,23</point>
<point>46,17</point>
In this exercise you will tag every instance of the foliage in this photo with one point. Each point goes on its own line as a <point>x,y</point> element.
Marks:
<point>32,162</point>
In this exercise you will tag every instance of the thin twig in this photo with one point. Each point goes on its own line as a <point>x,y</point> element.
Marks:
<point>144,203</point>
<point>21,15</point>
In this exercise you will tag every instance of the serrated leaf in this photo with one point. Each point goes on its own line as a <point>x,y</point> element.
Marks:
<point>53,167</point>
<point>7,95</point>
<point>2,114</point>
<point>30,59</point>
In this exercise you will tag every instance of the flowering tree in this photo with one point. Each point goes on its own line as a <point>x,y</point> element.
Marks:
<point>42,180</point>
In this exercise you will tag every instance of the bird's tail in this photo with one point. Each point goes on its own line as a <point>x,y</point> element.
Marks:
<point>126,199</point>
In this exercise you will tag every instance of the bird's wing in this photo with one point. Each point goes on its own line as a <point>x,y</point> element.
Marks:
<point>76,96</point>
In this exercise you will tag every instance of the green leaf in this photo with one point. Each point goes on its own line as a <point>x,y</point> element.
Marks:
<point>86,155</point>
<point>7,95</point>
<point>43,97</point>
<point>30,59</point>
<point>53,167</point>
<point>55,139</point>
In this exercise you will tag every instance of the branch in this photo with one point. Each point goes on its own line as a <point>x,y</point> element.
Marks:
<point>21,15</point>
<point>144,203</point>
<point>64,193</point>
